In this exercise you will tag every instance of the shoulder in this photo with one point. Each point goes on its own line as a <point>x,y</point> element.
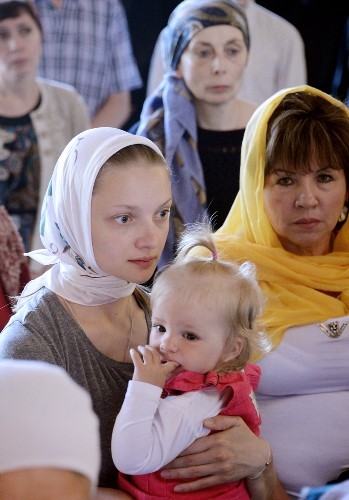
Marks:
<point>58,89</point>
<point>64,100</point>
<point>34,331</point>
<point>38,310</point>
<point>246,110</point>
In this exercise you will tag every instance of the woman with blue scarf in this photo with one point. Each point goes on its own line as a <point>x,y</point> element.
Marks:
<point>194,116</point>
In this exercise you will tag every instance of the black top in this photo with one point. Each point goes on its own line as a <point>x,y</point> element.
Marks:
<point>220,153</point>
<point>20,172</point>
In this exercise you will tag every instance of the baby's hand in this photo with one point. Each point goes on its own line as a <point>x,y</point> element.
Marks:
<point>151,369</point>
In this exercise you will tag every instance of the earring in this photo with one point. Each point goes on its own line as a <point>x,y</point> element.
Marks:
<point>343,215</point>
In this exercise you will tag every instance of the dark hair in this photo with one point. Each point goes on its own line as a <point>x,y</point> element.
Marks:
<point>306,127</point>
<point>15,8</point>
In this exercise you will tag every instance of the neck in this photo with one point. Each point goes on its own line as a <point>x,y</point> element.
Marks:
<point>116,308</point>
<point>106,312</point>
<point>58,4</point>
<point>18,98</point>
<point>223,117</point>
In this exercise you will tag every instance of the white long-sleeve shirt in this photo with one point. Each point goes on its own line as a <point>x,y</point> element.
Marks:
<point>148,435</point>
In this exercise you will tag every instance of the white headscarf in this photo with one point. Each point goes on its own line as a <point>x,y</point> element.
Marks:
<point>65,227</point>
<point>47,420</point>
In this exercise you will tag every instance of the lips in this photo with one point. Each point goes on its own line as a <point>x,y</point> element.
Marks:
<point>17,62</point>
<point>219,89</point>
<point>307,223</point>
<point>144,262</point>
<point>143,259</point>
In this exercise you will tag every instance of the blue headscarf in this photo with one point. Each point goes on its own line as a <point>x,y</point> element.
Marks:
<point>192,16</point>
<point>169,117</point>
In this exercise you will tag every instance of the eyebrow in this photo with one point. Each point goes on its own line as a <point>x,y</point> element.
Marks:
<point>282,171</point>
<point>209,44</point>
<point>132,207</point>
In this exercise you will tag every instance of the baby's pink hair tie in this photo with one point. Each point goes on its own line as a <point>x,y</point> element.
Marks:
<point>214,255</point>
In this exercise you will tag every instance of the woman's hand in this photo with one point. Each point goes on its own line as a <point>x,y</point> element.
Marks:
<point>227,456</point>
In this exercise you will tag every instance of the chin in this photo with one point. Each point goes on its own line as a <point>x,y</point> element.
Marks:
<point>145,278</point>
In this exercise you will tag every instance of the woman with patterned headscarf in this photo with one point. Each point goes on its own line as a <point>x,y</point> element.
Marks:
<point>104,223</point>
<point>194,116</point>
<point>291,219</point>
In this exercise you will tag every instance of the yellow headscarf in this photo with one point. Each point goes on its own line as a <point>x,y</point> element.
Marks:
<point>291,283</point>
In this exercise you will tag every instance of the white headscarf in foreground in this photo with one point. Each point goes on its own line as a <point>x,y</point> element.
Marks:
<point>65,227</point>
<point>47,420</point>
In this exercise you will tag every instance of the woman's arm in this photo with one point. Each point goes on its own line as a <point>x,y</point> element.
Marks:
<point>233,454</point>
<point>279,492</point>
<point>264,487</point>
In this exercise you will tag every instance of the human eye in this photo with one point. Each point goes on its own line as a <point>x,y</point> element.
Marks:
<point>123,219</point>
<point>190,336</point>
<point>325,177</point>
<point>4,35</point>
<point>164,213</point>
<point>232,51</point>
<point>25,30</point>
<point>158,328</point>
<point>284,181</point>
<point>203,52</point>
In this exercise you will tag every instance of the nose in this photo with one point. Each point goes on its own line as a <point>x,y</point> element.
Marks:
<point>13,43</point>
<point>148,235</point>
<point>218,63</point>
<point>306,196</point>
<point>168,343</point>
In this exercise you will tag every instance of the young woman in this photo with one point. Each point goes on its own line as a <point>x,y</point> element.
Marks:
<point>195,117</point>
<point>204,332</point>
<point>37,119</point>
<point>104,224</point>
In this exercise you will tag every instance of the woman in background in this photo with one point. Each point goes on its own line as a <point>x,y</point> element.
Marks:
<point>37,119</point>
<point>195,117</point>
<point>14,269</point>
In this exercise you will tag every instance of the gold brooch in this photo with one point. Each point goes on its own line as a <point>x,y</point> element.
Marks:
<point>332,330</point>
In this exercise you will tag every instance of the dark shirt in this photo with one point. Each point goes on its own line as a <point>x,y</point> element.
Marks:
<point>220,153</point>
<point>20,173</point>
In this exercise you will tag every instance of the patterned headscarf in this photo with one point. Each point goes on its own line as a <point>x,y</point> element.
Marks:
<point>293,284</point>
<point>65,226</point>
<point>192,16</point>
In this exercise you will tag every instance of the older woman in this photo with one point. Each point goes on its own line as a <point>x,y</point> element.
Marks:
<point>195,117</point>
<point>290,219</point>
